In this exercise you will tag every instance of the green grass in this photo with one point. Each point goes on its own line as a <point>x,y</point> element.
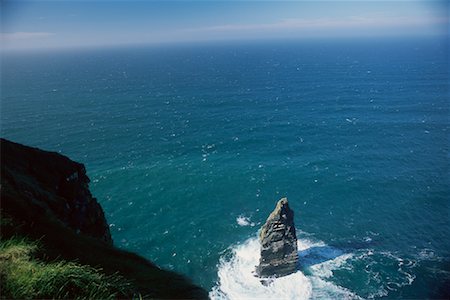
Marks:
<point>22,276</point>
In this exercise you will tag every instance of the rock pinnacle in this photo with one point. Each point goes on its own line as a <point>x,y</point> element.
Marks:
<point>278,241</point>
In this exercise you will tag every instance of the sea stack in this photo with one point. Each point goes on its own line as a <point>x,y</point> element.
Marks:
<point>278,241</point>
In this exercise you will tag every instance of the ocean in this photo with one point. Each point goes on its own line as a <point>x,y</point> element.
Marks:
<point>190,146</point>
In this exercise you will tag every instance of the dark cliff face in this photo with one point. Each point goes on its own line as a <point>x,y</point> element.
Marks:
<point>278,241</point>
<point>53,184</point>
<point>45,197</point>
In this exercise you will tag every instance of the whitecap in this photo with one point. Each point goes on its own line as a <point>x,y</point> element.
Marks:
<point>244,221</point>
<point>325,269</point>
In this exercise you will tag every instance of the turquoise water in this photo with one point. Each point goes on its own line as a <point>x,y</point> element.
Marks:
<point>189,147</point>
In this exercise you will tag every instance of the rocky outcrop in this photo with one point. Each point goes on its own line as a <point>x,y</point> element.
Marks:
<point>45,197</point>
<point>53,184</point>
<point>278,241</point>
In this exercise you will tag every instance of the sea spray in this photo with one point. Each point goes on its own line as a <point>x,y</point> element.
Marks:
<point>238,280</point>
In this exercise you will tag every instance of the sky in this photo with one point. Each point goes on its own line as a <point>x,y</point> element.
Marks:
<point>82,23</point>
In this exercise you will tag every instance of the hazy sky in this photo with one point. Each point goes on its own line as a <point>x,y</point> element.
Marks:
<point>37,24</point>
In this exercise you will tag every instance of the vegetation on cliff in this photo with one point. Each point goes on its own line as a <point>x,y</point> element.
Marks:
<point>23,276</point>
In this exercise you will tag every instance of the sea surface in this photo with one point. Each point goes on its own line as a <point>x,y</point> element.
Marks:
<point>189,147</point>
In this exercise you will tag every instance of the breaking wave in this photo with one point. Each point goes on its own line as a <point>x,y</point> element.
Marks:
<point>237,278</point>
<point>244,221</point>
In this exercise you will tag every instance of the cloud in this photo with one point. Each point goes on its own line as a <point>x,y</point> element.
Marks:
<point>19,36</point>
<point>351,22</point>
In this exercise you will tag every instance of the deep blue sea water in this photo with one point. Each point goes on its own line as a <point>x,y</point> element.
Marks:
<point>189,147</point>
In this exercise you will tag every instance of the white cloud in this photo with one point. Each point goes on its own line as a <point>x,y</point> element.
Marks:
<point>18,36</point>
<point>352,22</point>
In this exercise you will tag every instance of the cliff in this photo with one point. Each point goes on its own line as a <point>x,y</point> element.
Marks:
<point>45,197</point>
<point>52,184</point>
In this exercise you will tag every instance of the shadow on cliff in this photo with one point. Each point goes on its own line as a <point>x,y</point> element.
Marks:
<point>46,195</point>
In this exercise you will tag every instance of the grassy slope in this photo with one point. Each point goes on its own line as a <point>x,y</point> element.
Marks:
<point>24,277</point>
<point>59,242</point>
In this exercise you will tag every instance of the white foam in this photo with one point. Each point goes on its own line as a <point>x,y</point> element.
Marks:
<point>325,269</point>
<point>307,244</point>
<point>244,221</point>
<point>237,278</point>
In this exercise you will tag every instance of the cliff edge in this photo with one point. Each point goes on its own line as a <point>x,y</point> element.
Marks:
<point>45,197</point>
<point>52,184</point>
